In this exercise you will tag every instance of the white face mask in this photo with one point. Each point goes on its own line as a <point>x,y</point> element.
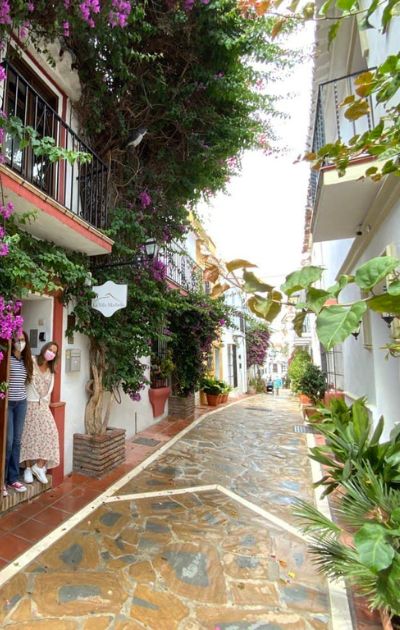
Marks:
<point>19,345</point>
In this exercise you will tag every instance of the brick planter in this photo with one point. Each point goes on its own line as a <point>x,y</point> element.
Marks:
<point>96,455</point>
<point>181,407</point>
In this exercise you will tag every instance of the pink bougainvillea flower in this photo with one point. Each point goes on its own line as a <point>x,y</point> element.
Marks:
<point>4,249</point>
<point>30,7</point>
<point>24,30</point>
<point>5,17</point>
<point>145,199</point>
<point>119,13</point>
<point>3,73</point>
<point>66,30</point>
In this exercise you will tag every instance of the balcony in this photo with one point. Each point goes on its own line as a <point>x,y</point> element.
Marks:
<point>71,198</point>
<point>182,270</point>
<point>340,204</point>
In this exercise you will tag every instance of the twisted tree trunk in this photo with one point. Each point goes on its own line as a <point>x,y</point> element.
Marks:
<point>97,413</point>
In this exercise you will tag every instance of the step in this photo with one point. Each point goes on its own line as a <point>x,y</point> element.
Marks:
<point>15,498</point>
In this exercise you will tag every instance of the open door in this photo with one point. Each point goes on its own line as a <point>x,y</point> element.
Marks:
<point>4,375</point>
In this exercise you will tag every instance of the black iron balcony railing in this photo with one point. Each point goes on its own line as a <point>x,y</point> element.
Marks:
<point>182,270</point>
<point>81,188</point>
<point>330,121</point>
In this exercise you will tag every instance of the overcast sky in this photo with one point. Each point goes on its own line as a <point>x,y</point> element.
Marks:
<point>261,218</point>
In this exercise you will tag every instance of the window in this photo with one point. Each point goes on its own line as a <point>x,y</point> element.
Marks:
<point>29,99</point>
<point>332,364</point>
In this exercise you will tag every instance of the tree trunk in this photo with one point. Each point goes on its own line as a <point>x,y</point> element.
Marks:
<point>96,417</point>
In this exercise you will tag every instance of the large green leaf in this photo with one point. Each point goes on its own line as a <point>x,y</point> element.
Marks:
<point>373,548</point>
<point>298,322</point>
<point>316,299</point>
<point>264,307</point>
<point>375,270</point>
<point>252,284</point>
<point>335,323</point>
<point>301,279</point>
<point>342,281</point>
<point>385,304</point>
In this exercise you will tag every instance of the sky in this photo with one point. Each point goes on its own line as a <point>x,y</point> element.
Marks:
<point>261,219</point>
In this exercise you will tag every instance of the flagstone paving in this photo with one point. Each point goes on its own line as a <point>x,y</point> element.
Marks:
<point>193,561</point>
<point>250,448</point>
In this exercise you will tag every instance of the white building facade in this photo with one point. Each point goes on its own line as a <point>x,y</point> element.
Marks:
<point>353,218</point>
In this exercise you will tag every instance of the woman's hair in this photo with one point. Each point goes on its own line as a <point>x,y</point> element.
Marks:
<point>26,355</point>
<point>40,359</point>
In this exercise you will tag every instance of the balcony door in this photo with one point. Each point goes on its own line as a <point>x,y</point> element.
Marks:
<point>28,98</point>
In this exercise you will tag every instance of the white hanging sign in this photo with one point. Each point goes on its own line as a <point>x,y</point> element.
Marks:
<point>110,298</point>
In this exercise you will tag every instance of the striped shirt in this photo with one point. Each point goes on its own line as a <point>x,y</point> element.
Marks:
<point>17,382</point>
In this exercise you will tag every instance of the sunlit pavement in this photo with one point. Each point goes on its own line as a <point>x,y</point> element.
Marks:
<point>219,552</point>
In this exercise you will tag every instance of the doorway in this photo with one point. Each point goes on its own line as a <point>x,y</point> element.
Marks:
<point>37,311</point>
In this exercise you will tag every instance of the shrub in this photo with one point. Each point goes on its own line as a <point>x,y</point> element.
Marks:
<point>298,365</point>
<point>313,383</point>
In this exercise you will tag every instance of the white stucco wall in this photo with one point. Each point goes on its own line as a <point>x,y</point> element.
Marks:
<point>366,370</point>
<point>73,392</point>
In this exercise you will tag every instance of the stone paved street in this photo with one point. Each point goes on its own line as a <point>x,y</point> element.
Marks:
<point>190,561</point>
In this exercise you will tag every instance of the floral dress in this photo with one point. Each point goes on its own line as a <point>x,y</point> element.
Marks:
<point>40,435</point>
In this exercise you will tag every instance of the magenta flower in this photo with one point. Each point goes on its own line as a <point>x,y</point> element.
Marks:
<point>119,13</point>
<point>88,9</point>
<point>66,31</point>
<point>5,17</point>
<point>3,73</point>
<point>23,30</point>
<point>145,199</point>
<point>7,210</point>
<point>31,7</point>
<point>4,249</point>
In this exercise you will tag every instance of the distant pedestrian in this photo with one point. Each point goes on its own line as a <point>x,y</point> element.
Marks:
<point>277,385</point>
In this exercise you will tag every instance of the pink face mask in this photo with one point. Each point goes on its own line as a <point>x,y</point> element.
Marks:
<point>49,355</point>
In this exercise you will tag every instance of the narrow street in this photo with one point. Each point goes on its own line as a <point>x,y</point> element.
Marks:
<point>201,538</point>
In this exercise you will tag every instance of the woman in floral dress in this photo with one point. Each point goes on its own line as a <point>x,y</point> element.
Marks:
<point>39,444</point>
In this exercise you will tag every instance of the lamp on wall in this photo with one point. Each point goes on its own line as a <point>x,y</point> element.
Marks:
<point>151,249</point>
<point>236,338</point>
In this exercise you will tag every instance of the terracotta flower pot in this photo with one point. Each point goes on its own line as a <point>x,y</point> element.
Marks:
<point>304,400</point>
<point>331,394</point>
<point>213,399</point>
<point>158,397</point>
<point>224,398</point>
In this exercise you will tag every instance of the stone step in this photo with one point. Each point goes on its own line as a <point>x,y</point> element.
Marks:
<point>33,490</point>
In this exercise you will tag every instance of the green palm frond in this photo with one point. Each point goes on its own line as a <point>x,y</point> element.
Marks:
<point>312,520</point>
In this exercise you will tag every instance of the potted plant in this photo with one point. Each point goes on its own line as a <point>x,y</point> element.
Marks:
<point>313,385</point>
<point>160,370</point>
<point>226,389</point>
<point>362,544</point>
<point>351,442</point>
<point>213,390</point>
<point>298,364</point>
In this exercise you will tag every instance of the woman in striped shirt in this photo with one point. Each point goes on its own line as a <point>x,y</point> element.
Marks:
<point>21,368</point>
